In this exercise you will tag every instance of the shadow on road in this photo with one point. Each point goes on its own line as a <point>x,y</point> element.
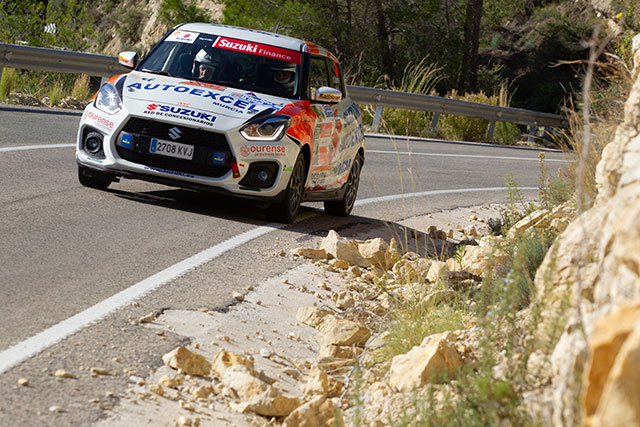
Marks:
<point>312,222</point>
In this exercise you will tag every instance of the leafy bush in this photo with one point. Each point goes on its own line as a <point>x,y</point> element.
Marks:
<point>7,83</point>
<point>81,89</point>
<point>178,11</point>
<point>130,28</point>
<point>464,128</point>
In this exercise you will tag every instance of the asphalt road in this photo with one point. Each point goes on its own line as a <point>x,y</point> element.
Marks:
<point>65,248</point>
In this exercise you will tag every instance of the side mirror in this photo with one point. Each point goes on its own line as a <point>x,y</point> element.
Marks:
<point>128,59</point>
<point>327,94</point>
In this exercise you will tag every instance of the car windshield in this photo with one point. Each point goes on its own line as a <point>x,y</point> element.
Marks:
<point>228,62</point>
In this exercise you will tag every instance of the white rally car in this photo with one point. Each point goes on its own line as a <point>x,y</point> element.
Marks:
<point>231,110</point>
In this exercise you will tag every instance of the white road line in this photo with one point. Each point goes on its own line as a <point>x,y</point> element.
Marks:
<point>472,156</point>
<point>39,342</point>
<point>35,147</point>
<point>432,193</point>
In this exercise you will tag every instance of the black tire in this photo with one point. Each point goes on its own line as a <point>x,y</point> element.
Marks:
<point>93,179</point>
<point>345,206</point>
<point>287,210</point>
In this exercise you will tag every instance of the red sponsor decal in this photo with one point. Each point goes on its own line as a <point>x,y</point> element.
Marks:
<point>258,49</point>
<point>262,150</point>
<point>106,123</point>
<point>326,130</point>
<point>203,84</point>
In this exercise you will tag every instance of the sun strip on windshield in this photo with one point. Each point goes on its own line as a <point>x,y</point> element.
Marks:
<point>258,49</point>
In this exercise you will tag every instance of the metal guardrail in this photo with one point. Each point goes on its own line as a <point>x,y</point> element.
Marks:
<point>37,58</point>
<point>61,61</point>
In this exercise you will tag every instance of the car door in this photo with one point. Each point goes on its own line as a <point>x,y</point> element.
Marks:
<point>328,164</point>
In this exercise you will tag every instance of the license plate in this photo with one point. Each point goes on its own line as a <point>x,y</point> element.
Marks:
<point>171,149</point>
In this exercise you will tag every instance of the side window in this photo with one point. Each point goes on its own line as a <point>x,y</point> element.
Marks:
<point>334,76</point>
<point>318,75</point>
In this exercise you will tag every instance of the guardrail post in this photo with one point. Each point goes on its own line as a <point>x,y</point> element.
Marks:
<point>492,128</point>
<point>435,119</point>
<point>377,118</point>
<point>533,130</point>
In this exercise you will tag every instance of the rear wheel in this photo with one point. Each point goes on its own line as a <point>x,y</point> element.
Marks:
<point>93,179</point>
<point>287,210</point>
<point>343,207</point>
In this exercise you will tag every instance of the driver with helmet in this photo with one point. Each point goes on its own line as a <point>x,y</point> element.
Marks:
<point>205,65</point>
<point>284,79</point>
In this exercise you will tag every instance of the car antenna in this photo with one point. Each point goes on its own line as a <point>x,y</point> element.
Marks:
<point>278,25</point>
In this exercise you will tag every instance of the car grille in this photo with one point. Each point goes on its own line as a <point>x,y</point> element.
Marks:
<point>205,145</point>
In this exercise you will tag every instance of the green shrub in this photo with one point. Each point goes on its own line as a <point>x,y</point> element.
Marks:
<point>175,12</point>
<point>81,88</point>
<point>56,93</point>
<point>464,128</point>
<point>130,28</point>
<point>7,83</point>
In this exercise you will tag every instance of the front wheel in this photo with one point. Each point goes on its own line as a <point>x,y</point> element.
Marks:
<point>343,207</point>
<point>287,210</point>
<point>93,179</point>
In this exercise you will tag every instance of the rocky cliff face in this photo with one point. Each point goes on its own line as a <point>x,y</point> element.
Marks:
<point>596,261</point>
<point>153,28</point>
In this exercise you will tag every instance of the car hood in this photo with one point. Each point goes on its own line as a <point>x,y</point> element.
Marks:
<point>145,93</point>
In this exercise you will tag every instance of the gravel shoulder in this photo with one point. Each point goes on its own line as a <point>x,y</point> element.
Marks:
<point>261,325</point>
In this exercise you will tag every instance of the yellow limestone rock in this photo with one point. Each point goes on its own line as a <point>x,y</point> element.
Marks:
<point>188,362</point>
<point>269,404</point>
<point>610,334</point>
<point>376,252</point>
<point>344,249</point>
<point>476,259</point>
<point>437,269</point>
<point>425,363</point>
<point>319,412</point>
<point>312,316</point>
<point>224,360</point>
<point>620,401</point>
<point>342,332</point>
<point>243,383</point>
<point>315,254</point>
<point>321,383</point>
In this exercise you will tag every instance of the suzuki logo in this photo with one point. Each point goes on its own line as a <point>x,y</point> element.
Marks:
<point>174,133</point>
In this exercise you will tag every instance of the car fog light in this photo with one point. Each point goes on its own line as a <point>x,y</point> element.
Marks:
<point>93,142</point>
<point>263,175</point>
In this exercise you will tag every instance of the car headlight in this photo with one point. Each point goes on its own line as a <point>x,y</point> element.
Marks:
<point>108,99</point>
<point>267,128</point>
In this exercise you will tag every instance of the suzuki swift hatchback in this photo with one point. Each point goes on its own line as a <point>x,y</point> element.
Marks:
<point>230,110</point>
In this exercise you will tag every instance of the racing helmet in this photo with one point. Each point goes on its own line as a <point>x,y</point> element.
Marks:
<point>284,76</point>
<point>205,64</point>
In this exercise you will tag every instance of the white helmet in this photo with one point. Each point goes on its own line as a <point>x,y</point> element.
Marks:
<point>205,64</point>
<point>284,76</point>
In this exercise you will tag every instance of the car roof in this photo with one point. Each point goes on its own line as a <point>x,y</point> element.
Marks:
<point>257,36</point>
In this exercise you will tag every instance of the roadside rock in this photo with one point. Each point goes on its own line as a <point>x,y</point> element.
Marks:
<point>269,404</point>
<point>240,380</point>
<point>476,259</point>
<point>425,363</point>
<point>342,332</point>
<point>344,249</point>
<point>224,360</point>
<point>437,270</point>
<point>610,334</point>
<point>319,382</point>
<point>409,271</point>
<point>319,412</point>
<point>620,401</point>
<point>314,254</point>
<point>311,316</point>
<point>376,252</point>
<point>187,362</point>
